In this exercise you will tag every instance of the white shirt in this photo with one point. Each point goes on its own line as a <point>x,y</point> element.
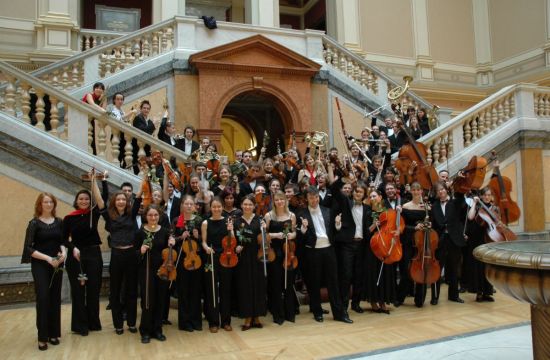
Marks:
<point>320,229</point>
<point>357,212</point>
<point>443,205</point>
<point>138,221</point>
<point>322,193</point>
<point>117,113</point>
<point>392,203</point>
<point>188,146</point>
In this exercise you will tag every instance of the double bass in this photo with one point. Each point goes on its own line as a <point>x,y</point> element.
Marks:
<point>500,188</point>
<point>425,268</point>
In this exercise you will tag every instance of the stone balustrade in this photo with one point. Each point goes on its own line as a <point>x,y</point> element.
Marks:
<point>53,109</point>
<point>90,38</point>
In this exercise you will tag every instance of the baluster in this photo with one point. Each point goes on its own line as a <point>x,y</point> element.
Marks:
<point>115,146</point>
<point>443,149</point>
<point>54,116</point>
<point>137,50</point>
<point>141,150</point>
<point>349,68</point>
<point>435,152</point>
<point>545,105</point>
<point>54,81</point>
<point>90,134</point>
<point>101,139</point>
<point>500,114</point>
<point>40,105</point>
<point>107,65</point>
<point>375,84</point>
<point>487,125</point>
<point>481,124</point>
<point>76,75</point>
<point>450,147</point>
<point>65,78</point>
<point>117,60</point>
<point>467,134</point>
<point>65,134</point>
<point>130,59</point>
<point>539,105</point>
<point>335,58</point>
<point>474,130</point>
<point>9,103</point>
<point>429,158</point>
<point>163,41</point>
<point>128,153</point>
<point>146,47</point>
<point>122,57</point>
<point>506,108</point>
<point>327,56</point>
<point>494,118</point>
<point>512,106</point>
<point>370,81</point>
<point>155,43</point>
<point>342,66</point>
<point>25,102</point>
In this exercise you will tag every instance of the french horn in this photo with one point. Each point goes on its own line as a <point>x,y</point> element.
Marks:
<point>395,93</point>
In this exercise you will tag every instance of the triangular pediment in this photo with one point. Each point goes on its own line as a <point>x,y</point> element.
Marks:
<point>256,53</point>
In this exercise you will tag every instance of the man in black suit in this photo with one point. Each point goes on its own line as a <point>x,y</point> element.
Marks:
<point>247,186</point>
<point>325,195</point>
<point>315,232</point>
<point>142,122</point>
<point>352,220</point>
<point>447,221</point>
<point>187,144</point>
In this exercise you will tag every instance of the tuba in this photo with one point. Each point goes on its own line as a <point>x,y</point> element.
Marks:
<point>395,93</point>
<point>433,119</point>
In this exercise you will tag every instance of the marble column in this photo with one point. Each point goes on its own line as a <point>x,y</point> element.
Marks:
<point>56,29</point>
<point>343,23</point>
<point>166,9</point>
<point>482,37</point>
<point>262,12</point>
<point>424,62</point>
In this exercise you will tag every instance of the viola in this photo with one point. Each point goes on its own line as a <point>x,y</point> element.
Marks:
<point>229,258</point>
<point>474,174</point>
<point>191,261</point>
<point>338,164</point>
<point>496,231</point>
<point>265,244</point>
<point>500,188</point>
<point>385,244</point>
<point>167,270</point>
<point>291,261</point>
<point>146,192</point>
<point>172,175</point>
<point>425,268</point>
<point>262,203</point>
<point>186,169</point>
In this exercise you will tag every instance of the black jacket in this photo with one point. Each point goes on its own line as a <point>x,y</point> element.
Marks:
<point>309,239</point>
<point>451,222</point>
<point>343,205</point>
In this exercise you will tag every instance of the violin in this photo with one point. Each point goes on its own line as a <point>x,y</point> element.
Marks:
<point>167,270</point>
<point>336,161</point>
<point>289,248</point>
<point>474,174</point>
<point>186,169</point>
<point>146,192</point>
<point>500,188</point>
<point>265,245</point>
<point>229,258</point>
<point>262,203</point>
<point>191,261</point>
<point>298,201</point>
<point>425,268</point>
<point>425,174</point>
<point>496,230</point>
<point>385,244</point>
<point>172,175</point>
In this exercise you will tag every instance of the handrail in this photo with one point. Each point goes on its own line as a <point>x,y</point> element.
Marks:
<point>91,112</point>
<point>99,49</point>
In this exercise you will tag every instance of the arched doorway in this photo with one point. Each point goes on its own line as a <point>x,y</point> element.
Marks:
<point>246,118</point>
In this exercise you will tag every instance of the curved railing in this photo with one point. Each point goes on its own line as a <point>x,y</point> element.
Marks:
<point>73,120</point>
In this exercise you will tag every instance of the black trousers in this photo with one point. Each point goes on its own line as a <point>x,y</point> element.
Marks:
<point>189,289</point>
<point>323,268</point>
<point>85,298</point>
<point>281,302</point>
<point>449,256</point>
<point>152,300</point>
<point>123,269</point>
<point>350,257</point>
<point>218,305</point>
<point>48,299</point>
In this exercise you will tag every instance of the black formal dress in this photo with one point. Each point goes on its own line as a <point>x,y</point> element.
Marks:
<point>123,266</point>
<point>281,301</point>
<point>153,289</point>
<point>478,283</point>
<point>405,287</point>
<point>218,300</point>
<point>251,280</point>
<point>78,233</point>
<point>47,239</point>
<point>379,288</point>
<point>189,282</point>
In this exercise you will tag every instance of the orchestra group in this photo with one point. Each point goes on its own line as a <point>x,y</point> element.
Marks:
<point>259,236</point>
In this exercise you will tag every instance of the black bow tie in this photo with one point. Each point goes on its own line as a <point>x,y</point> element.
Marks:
<point>357,203</point>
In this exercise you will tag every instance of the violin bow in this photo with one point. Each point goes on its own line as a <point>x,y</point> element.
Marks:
<point>264,260</point>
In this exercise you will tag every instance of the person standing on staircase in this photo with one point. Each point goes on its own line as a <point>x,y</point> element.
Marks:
<point>98,100</point>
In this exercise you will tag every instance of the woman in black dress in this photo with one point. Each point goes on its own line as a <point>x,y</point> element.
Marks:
<point>477,236</point>
<point>84,263</point>
<point>151,239</point>
<point>280,223</point>
<point>251,280</point>
<point>414,214</point>
<point>120,222</point>
<point>378,291</point>
<point>45,251</point>
<point>189,280</point>
<point>218,286</point>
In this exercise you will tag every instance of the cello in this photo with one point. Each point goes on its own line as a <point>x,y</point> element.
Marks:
<point>496,230</point>
<point>385,244</point>
<point>500,187</point>
<point>425,268</point>
<point>474,174</point>
<point>425,174</point>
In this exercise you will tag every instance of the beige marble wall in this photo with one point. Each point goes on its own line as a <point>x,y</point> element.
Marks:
<point>22,9</point>
<point>516,26</point>
<point>186,96</point>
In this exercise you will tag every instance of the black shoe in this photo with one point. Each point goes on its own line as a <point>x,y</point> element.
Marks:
<point>132,329</point>
<point>84,333</point>
<point>54,341</point>
<point>166,322</point>
<point>187,328</point>
<point>345,319</point>
<point>108,306</point>
<point>160,337</point>
<point>398,303</point>
<point>357,308</point>
<point>418,305</point>
<point>318,318</point>
<point>119,331</point>
<point>457,300</point>
<point>434,301</point>
<point>462,290</point>
<point>145,339</point>
<point>383,311</point>
<point>326,312</point>
<point>279,321</point>
<point>297,311</point>
<point>479,298</point>
<point>488,298</point>
<point>197,328</point>
<point>43,347</point>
